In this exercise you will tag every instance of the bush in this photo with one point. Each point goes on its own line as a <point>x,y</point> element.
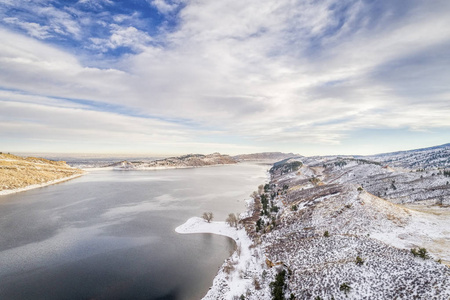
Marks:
<point>360,189</point>
<point>359,261</point>
<point>260,189</point>
<point>326,234</point>
<point>421,252</point>
<point>294,207</point>
<point>208,216</point>
<point>314,180</point>
<point>258,224</point>
<point>345,287</point>
<point>277,286</point>
<point>256,284</point>
<point>228,268</point>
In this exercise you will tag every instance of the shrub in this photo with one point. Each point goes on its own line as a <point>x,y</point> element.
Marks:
<point>359,261</point>
<point>260,189</point>
<point>264,275</point>
<point>277,286</point>
<point>314,180</point>
<point>228,268</point>
<point>258,224</point>
<point>345,287</point>
<point>360,189</point>
<point>326,234</point>
<point>208,216</point>
<point>256,284</point>
<point>294,207</point>
<point>421,252</point>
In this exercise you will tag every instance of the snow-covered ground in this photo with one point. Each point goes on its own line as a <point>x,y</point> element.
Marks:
<point>428,229</point>
<point>338,222</point>
<point>235,275</point>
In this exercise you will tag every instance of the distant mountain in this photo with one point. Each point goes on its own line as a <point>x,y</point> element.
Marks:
<point>274,156</point>
<point>185,161</point>
<point>425,158</point>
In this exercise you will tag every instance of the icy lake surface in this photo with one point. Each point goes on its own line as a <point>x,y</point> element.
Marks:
<point>110,234</point>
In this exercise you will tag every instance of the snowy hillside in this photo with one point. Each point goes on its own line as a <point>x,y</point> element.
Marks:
<point>433,157</point>
<point>344,228</point>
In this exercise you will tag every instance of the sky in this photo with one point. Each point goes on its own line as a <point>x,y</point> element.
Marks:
<point>313,77</point>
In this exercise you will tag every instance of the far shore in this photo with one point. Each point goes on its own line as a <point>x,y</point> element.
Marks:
<point>35,186</point>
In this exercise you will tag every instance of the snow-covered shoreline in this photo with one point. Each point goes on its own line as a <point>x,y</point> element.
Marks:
<point>35,186</point>
<point>235,282</point>
<point>199,225</point>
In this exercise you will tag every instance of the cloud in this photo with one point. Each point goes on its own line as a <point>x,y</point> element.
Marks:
<point>163,6</point>
<point>54,125</point>
<point>96,2</point>
<point>122,37</point>
<point>253,73</point>
<point>33,29</point>
<point>40,19</point>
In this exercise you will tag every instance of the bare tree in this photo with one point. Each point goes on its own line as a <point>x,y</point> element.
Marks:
<point>260,189</point>
<point>239,250</point>
<point>232,220</point>
<point>208,216</point>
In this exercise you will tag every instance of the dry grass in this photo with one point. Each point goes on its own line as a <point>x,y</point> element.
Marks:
<point>18,172</point>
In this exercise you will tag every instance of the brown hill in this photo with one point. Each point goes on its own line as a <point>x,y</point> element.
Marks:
<point>19,172</point>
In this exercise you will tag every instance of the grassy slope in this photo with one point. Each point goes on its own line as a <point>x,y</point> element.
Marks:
<point>19,172</point>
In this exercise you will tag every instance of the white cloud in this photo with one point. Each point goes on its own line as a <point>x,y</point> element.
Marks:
<point>33,29</point>
<point>163,6</point>
<point>122,37</point>
<point>268,72</point>
<point>95,3</point>
<point>60,21</point>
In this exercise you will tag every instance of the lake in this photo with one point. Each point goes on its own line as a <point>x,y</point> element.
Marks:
<point>110,234</point>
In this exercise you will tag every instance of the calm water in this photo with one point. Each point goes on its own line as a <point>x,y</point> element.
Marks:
<point>110,234</point>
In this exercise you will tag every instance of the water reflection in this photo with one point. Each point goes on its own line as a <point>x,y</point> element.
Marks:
<point>110,235</point>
